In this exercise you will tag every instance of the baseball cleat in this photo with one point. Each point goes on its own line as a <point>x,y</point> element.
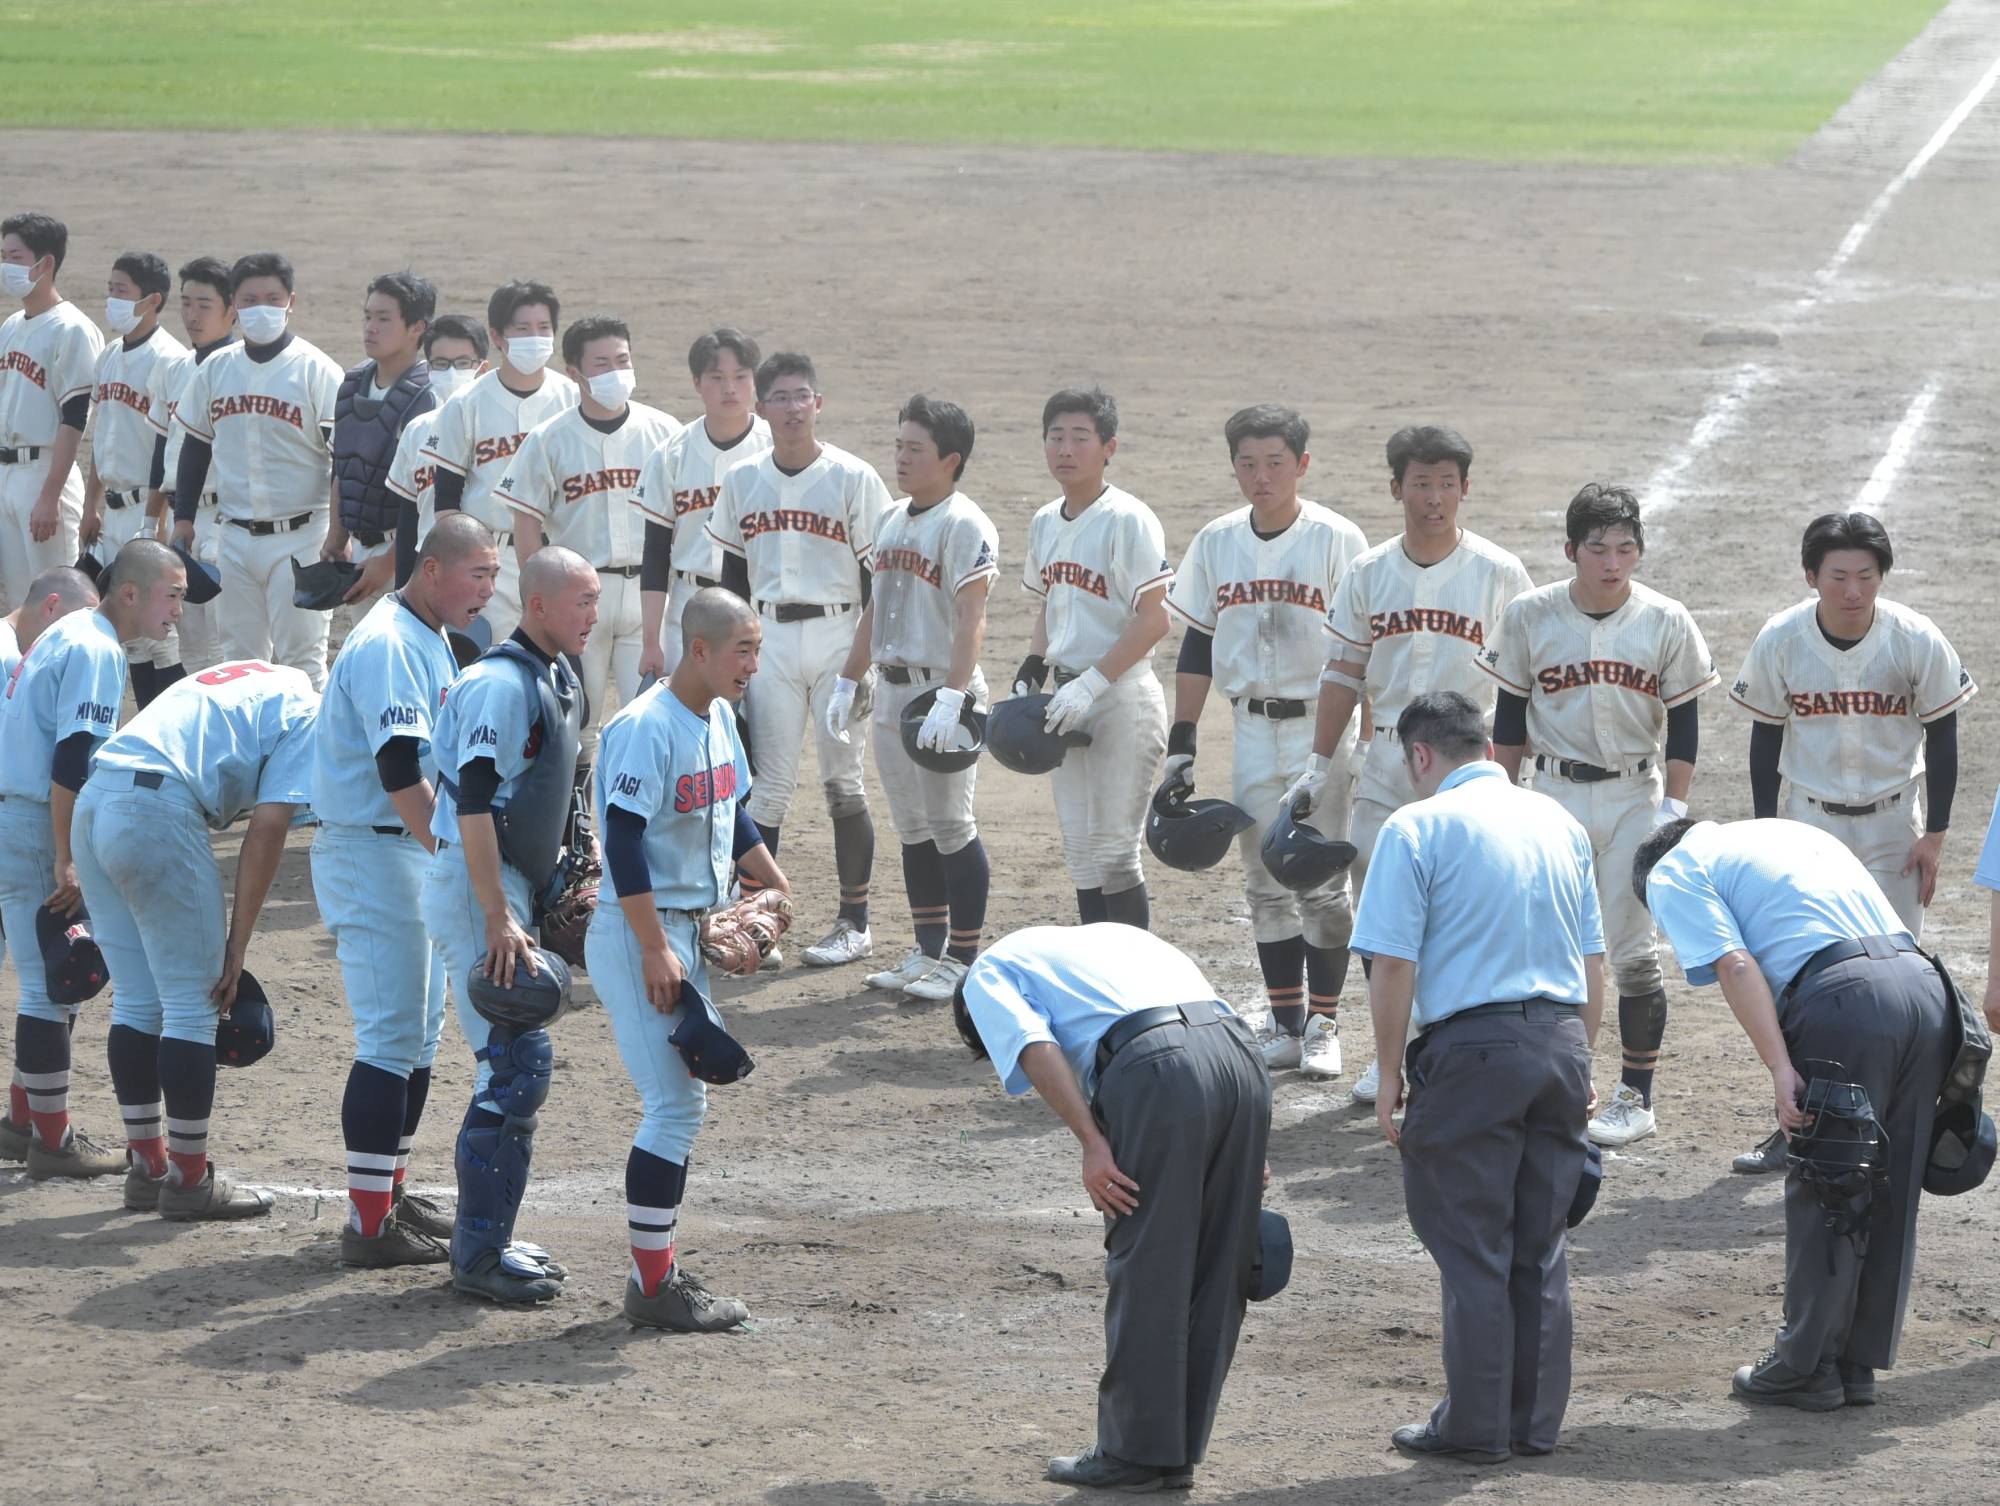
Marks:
<point>1623,1120</point>
<point>1319,1048</point>
<point>1773,1383</point>
<point>843,944</point>
<point>939,982</point>
<point>399,1243</point>
<point>502,1277</point>
<point>1370,1084</point>
<point>1280,1049</point>
<point>908,970</point>
<point>773,960</point>
<point>421,1212</point>
<point>682,1303</point>
<point>142,1188</point>
<point>215,1196</point>
<point>80,1157</point>
<point>1767,1154</point>
<point>15,1140</point>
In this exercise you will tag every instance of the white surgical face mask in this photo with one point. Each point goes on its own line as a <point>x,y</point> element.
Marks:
<point>120,315</point>
<point>452,381</point>
<point>262,323</point>
<point>17,280</point>
<point>609,389</point>
<point>528,354</point>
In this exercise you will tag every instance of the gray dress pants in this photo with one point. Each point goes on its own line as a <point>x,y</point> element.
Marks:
<point>1885,1022</point>
<point>1187,1110</point>
<point>1493,1147</point>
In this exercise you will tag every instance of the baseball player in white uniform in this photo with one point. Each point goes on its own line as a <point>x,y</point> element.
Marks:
<point>936,558</point>
<point>1410,616</point>
<point>260,415</point>
<point>669,803</point>
<point>374,777</point>
<point>60,702</point>
<point>1254,589</point>
<point>455,350</point>
<point>115,503</point>
<point>1097,567</point>
<point>572,484</point>
<point>210,323</point>
<point>474,437</point>
<point>679,485</point>
<point>1600,677</point>
<point>797,527</point>
<point>48,367</point>
<point>235,739</point>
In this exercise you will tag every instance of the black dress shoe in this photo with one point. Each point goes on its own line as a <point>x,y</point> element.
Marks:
<point>1417,1440</point>
<point>1771,1382</point>
<point>1857,1383</point>
<point>1101,1471</point>
<point>1529,1450</point>
<point>1766,1155</point>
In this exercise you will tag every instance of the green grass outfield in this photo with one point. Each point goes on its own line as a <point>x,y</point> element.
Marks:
<point>1591,80</point>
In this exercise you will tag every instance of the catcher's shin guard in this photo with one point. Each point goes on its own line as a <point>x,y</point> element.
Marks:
<point>493,1159</point>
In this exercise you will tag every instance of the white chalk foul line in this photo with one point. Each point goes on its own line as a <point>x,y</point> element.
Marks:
<point>1883,477</point>
<point>1718,417</point>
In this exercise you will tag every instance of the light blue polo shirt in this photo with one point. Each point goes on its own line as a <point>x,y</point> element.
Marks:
<point>1068,985</point>
<point>1987,874</point>
<point>1488,888</point>
<point>1779,890</point>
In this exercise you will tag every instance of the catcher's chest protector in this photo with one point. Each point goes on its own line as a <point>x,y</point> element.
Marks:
<point>535,820</point>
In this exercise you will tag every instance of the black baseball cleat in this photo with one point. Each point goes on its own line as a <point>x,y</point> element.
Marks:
<point>215,1196</point>
<point>397,1242</point>
<point>15,1140</point>
<point>1772,1383</point>
<point>1420,1441</point>
<point>1857,1383</point>
<point>420,1212</point>
<point>1765,1155</point>
<point>506,1281</point>
<point>1097,1470</point>
<point>79,1157</point>
<point>683,1304</point>
<point>142,1188</point>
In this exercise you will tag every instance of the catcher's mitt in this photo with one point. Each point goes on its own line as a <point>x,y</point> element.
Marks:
<point>565,921</point>
<point>736,940</point>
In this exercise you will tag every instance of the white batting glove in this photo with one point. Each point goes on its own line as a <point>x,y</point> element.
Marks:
<point>1180,772</point>
<point>941,721</point>
<point>1670,810</point>
<point>1072,703</point>
<point>1304,794</point>
<point>839,707</point>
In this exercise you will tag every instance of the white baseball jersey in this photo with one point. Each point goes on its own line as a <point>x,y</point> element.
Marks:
<point>1853,719</point>
<point>388,681</point>
<point>1419,629</point>
<point>70,681</point>
<point>1264,601</point>
<point>169,379</point>
<point>679,485</point>
<point>922,561</point>
<point>269,423</point>
<point>1089,573</point>
<point>806,538</point>
<point>578,482</point>
<point>477,432</point>
<point>1598,690</point>
<point>413,475</point>
<point>121,435</point>
<point>44,362</point>
<point>237,735</point>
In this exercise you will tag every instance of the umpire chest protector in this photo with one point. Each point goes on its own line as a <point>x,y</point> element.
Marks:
<point>365,432</point>
<point>534,824</point>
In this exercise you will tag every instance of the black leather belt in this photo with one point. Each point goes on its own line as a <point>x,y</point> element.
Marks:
<point>389,831</point>
<point>1510,1006</point>
<point>701,581</point>
<point>148,779</point>
<point>799,611</point>
<point>367,538</point>
<point>263,528</point>
<point>900,674</point>
<point>1134,1025</point>
<point>1062,676</point>
<point>20,456</point>
<point>118,501</point>
<point>1277,711</point>
<point>1855,810</point>
<point>1586,773</point>
<point>1881,948</point>
<point>627,572</point>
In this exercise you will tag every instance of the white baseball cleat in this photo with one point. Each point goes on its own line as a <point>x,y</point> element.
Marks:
<point>1371,1082</point>
<point>1623,1120</point>
<point>908,970</point>
<point>1319,1048</point>
<point>841,945</point>
<point>1280,1048</point>
<point>939,982</point>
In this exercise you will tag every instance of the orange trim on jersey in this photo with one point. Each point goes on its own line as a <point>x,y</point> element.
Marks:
<point>1480,659</point>
<point>1964,695</point>
<point>1176,609</point>
<point>1159,580</point>
<point>984,572</point>
<point>1769,718</point>
<point>1685,696</point>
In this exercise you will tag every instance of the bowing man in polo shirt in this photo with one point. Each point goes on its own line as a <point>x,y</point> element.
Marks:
<point>1481,913</point>
<point>1818,968</point>
<point>1165,1090</point>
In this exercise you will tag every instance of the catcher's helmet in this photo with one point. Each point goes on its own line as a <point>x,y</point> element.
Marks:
<point>73,965</point>
<point>1302,858</point>
<point>1017,736</point>
<point>248,1032</point>
<point>1271,1266</point>
<point>532,1001</point>
<point>710,1051</point>
<point>1962,1150</point>
<point>1587,1185</point>
<point>204,582</point>
<point>1192,834</point>
<point>91,566</point>
<point>963,751</point>
<point>322,585</point>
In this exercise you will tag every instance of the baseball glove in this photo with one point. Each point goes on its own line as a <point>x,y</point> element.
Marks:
<point>738,939</point>
<point>565,921</point>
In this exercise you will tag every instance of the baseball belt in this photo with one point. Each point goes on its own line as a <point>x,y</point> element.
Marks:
<point>263,528</point>
<point>1277,711</point>
<point>21,455</point>
<point>803,611</point>
<point>625,572</point>
<point>118,501</point>
<point>903,674</point>
<point>702,582</point>
<point>1586,773</point>
<point>1833,809</point>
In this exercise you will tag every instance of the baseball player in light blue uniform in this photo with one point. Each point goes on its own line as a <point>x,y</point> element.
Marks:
<point>671,782</point>
<point>373,777</point>
<point>491,742</point>
<point>232,739</point>
<point>60,702</point>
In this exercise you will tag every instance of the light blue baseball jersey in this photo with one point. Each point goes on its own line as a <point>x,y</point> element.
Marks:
<point>388,681</point>
<point>237,735</point>
<point>683,774</point>
<point>1779,890</point>
<point>490,711</point>
<point>1068,985</point>
<point>1987,874</point>
<point>10,650</point>
<point>71,681</point>
<point>1489,889</point>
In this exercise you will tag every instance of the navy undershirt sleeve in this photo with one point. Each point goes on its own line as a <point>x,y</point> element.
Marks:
<point>76,411</point>
<point>190,476</point>
<point>656,566</point>
<point>1940,771</point>
<point>736,574</point>
<point>747,835</point>
<point>478,782</point>
<point>72,761</point>
<point>1197,654</point>
<point>1766,743</point>
<point>1510,720</point>
<point>447,490</point>
<point>396,764</point>
<point>625,852</point>
<point>156,478</point>
<point>1683,731</point>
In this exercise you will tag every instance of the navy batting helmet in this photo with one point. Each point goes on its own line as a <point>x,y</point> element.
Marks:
<point>73,965</point>
<point>710,1051</point>
<point>966,742</point>
<point>1192,834</point>
<point>204,582</point>
<point>531,1001</point>
<point>1017,735</point>
<point>248,1032</point>
<point>322,585</point>
<point>1302,858</point>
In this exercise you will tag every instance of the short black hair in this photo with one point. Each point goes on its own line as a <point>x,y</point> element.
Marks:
<point>510,297</point>
<point>260,264</point>
<point>782,364</point>
<point>961,1016</point>
<point>416,297</point>
<point>707,347</point>
<point>591,327</point>
<point>43,234</point>
<point>1427,444</point>
<point>456,327</point>
<point>1268,421</point>
<point>209,271</point>
<point>1094,403</point>
<point>146,270</point>
<point>1846,530</point>
<point>1655,845</point>
<point>1599,506</point>
<point>1446,721</point>
<point>949,426</point>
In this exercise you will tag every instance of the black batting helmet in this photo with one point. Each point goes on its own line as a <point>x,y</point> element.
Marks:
<point>965,744</point>
<point>322,585</point>
<point>1016,734</point>
<point>532,1001</point>
<point>248,1032</point>
<point>72,966</point>
<point>204,582</point>
<point>710,1051</point>
<point>1192,834</point>
<point>1302,858</point>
